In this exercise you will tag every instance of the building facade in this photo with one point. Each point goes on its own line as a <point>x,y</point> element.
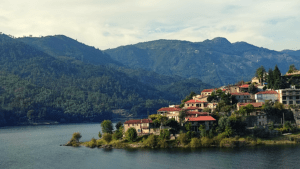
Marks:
<point>266,95</point>
<point>142,126</point>
<point>289,96</point>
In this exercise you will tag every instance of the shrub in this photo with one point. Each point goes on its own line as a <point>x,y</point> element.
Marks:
<point>164,134</point>
<point>206,142</point>
<point>76,136</point>
<point>99,134</point>
<point>131,134</point>
<point>195,143</point>
<point>228,142</point>
<point>92,143</point>
<point>162,143</point>
<point>107,137</point>
<point>117,135</point>
<point>183,138</point>
<point>203,133</point>
<point>151,141</point>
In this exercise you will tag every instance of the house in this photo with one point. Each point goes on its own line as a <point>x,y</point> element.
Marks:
<point>195,103</point>
<point>255,80</point>
<point>243,97</point>
<point>207,121</point>
<point>234,89</point>
<point>244,88</point>
<point>289,96</point>
<point>170,112</point>
<point>266,95</point>
<point>142,126</point>
<point>255,105</point>
<point>207,92</point>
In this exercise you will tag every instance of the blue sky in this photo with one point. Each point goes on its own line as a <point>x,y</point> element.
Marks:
<point>107,24</point>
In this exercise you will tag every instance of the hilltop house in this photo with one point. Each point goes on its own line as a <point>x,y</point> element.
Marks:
<point>266,95</point>
<point>170,112</point>
<point>207,92</point>
<point>255,105</point>
<point>195,103</point>
<point>243,97</point>
<point>289,96</point>
<point>142,126</point>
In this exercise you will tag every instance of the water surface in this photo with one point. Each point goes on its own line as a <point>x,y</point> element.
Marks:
<point>39,147</point>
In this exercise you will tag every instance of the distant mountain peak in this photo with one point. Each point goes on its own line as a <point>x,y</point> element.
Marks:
<point>220,40</point>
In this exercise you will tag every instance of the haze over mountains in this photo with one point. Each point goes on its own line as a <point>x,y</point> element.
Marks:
<point>73,82</point>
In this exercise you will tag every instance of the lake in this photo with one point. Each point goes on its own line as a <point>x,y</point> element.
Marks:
<point>39,147</point>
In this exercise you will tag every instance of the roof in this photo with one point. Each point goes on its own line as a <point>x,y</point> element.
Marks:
<point>208,90</point>
<point>195,112</point>
<point>244,86</point>
<point>267,92</point>
<point>240,93</point>
<point>258,104</point>
<point>169,109</point>
<point>201,118</point>
<point>191,108</point>
<point>195,101</point>
<point>138,121</point>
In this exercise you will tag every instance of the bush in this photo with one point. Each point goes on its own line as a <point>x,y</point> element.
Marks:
<point>195,142</point>
<point>131,134</point>
<point>151,141</point>
<point>99,134</point>
<point>206,142</point>
<point>183,138</point>
<point>92,143</point>
<point>162,143</point>
<point>228,142</point>
<point>107,137</point>
<point>164,134</point>
<point>76,136</point>
<point>117,135</point>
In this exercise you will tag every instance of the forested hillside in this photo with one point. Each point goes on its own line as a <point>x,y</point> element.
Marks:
<point>217,61</point>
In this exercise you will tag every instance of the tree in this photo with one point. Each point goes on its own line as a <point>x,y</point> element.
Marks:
<point>131,134</point>
<point>99,134</point>
<point>277,78</point>
<point>206,109</point>
<point>181,116</point>
<point>252,89</point>
<point>164,134</point>
<point>188,126</point>
<point>107,137</point>
<point>118,125</point>
<point>270,79</point>
<point>118,134</point>
<point>292,68</point>
<point>260,73</point>
<point>76,136</point>
<point>106,126</point>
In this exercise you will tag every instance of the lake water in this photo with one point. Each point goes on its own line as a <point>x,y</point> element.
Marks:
<point>39,147</point>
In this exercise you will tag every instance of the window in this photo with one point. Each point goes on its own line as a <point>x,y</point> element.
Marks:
<point>283,97</point>
<point>139,130</point>
<point>290,102</point>
<point>298,102</point>
<point>297,97</point>
<point>284,102</point>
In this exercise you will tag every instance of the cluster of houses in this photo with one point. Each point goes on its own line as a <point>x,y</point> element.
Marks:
<point>196,116</point>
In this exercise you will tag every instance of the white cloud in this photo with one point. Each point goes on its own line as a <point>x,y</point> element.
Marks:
<point>111,23</point>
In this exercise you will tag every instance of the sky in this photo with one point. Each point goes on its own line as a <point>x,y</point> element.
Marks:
<point>272,24</point>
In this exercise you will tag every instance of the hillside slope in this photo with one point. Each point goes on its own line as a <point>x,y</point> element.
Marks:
<point>217,61</point>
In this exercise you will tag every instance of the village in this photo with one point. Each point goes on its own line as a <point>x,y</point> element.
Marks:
<point>250,101</point>
<point>261,111</point>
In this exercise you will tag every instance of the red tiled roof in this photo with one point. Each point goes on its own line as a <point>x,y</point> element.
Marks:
<point>258,104</point>
<point>138,121</point>
<point>195,101</point>
<point>240,93</point>
<point>244,86</point>
<point>169,109</point>
<point>267,92</point>
<point>201,118</point>
<point>208,90</point>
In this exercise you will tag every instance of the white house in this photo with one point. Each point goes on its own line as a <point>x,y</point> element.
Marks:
<point>266,95</point>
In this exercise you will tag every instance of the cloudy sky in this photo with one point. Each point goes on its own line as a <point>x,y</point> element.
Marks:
<point>273,24</point>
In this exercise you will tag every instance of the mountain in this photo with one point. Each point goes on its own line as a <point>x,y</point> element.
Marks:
<point>62,47</point>
<point>292,52</point>
<point>217,62</point>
